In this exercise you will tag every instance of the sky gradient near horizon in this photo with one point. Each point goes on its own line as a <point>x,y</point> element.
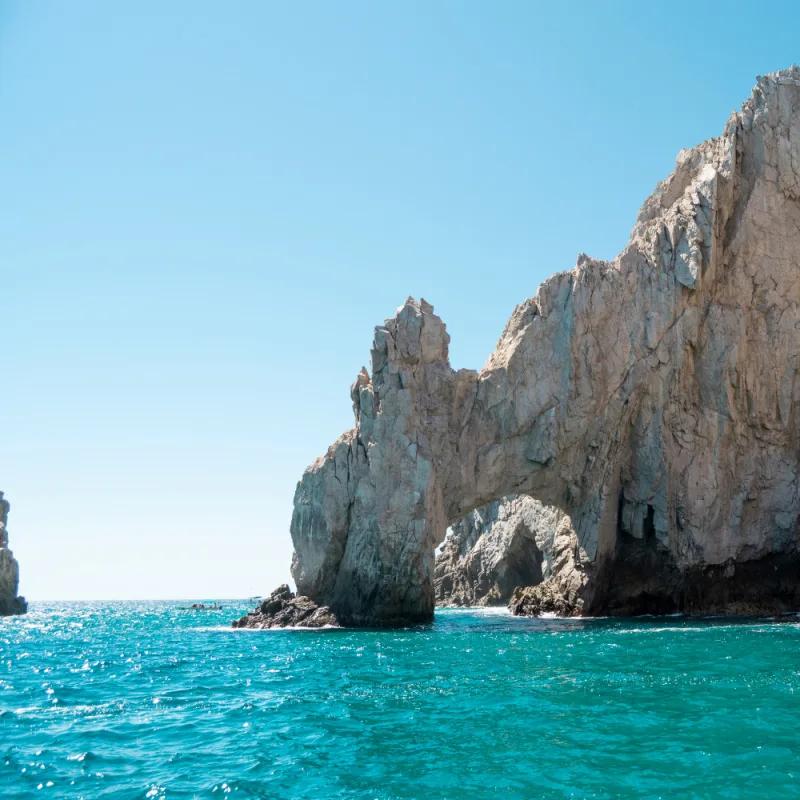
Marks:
<point>206,209</point>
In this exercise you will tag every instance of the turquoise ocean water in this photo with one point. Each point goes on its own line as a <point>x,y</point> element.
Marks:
<point>143,700</point>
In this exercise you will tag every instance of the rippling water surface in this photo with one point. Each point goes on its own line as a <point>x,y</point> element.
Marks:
<point>145,700</point>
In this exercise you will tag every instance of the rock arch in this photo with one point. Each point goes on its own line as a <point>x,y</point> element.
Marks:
<point>653,399</point>
<point>493,550</point>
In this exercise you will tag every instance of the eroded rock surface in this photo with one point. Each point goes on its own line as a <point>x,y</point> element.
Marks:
<point>10,603</point>
<point>652,399</point>
<point>284,609</point>
<point>515,541</point>
<point>546,598</point>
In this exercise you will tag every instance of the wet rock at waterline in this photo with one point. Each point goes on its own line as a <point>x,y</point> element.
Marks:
<point>283,609</point>
<point>10,603</point>
<point>514,541</point>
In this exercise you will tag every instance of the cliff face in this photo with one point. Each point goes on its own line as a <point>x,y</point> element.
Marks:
<point>9,570</point>
<point>652,399</point>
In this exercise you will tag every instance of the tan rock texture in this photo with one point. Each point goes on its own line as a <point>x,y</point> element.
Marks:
<point>10,603</point>
<point>543,599</point>
<point>652,399</point>
<point>515,541</point>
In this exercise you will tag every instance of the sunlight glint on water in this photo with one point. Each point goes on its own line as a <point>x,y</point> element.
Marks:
<point>146,700</point>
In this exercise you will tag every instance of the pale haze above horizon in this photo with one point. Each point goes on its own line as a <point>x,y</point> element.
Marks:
<point>207,208</point>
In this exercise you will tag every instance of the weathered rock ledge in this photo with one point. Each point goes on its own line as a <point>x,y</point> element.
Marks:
<point>284,609</point>
<point>10,603</point>
<point>652,401</point>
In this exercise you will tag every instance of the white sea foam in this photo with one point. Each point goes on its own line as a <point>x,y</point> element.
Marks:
<point>483,611</point>
<point>231,629</point>
<point>761,628</point>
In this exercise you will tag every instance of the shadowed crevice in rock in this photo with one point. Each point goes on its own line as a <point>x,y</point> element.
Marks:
<point>646,581</point>
<point>651,400</point>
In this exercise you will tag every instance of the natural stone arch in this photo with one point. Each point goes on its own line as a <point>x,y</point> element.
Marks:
<point>651,398</point>
<point>509,543</point>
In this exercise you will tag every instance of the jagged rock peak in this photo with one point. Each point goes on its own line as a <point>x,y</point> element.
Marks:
<point>10,603</point>
<point>653,400</point>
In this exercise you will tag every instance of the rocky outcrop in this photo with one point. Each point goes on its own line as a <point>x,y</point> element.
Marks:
<point>652,399</point>
<point>546,598</point>
<point>283,609</point>
<point>515,541</point>
<point>10,603</point>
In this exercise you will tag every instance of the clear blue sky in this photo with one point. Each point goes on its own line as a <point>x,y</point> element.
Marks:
<point>206,208</point>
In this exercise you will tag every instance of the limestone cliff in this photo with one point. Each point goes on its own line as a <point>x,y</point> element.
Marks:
<point>652,399</point>
<point>9,569</point>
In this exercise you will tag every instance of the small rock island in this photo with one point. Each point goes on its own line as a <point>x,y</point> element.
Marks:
<point>283,609</point>
<point>10,603</point>
<point>631,446</point>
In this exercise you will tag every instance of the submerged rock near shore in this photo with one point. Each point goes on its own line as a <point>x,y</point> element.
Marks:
<point>284,609</point>
<point>10,603</point>
<point>651,401</point>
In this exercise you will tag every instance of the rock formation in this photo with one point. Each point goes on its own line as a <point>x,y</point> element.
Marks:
<point>283,609</point>
<point>514,541</point>
<point>546,597</point>
<point>9,570</point>
<point>652,399</point>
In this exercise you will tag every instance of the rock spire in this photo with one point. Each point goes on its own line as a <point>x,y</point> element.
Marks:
<point>10,603</point>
